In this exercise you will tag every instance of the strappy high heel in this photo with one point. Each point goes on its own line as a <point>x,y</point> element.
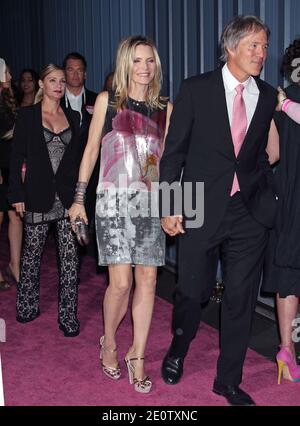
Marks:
<point>287,366</point>
<point>10,276</point>
<point>113,373</point>
<point>140,385</point>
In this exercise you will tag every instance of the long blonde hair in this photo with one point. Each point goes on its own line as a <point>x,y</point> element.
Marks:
<point>124,64</point>
<point>43,74</point>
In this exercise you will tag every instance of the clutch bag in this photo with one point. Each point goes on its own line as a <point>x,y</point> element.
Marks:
<point>82,232</point>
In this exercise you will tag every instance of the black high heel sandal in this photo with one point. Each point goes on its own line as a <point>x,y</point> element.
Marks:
<point>10,276</point>
<point>4,285</point>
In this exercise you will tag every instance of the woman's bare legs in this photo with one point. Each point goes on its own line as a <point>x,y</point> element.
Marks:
<point>142,308</point>
<point>15,234</point>
<point>287,311</point>
<point>115,306</point>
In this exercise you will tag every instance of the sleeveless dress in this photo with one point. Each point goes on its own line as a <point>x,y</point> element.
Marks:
<point>127,218</point>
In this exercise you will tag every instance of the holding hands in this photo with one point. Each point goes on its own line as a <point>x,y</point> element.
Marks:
<point>172,225</point>
<point>20,208</point>
<point>281,97</point>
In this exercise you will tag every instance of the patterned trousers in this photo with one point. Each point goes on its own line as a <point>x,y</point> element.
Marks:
<point>28,294</point>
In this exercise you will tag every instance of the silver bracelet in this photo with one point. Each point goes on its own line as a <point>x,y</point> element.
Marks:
<point>80,190</point>
<point>81,187</point>
<point>79,198</point>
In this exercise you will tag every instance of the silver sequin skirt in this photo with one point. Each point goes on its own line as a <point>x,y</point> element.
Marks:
<point>126,233</point>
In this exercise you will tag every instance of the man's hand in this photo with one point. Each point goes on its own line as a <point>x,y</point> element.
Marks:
<point>20,208</point>
<point>281,97</point>
<point>172,225</point>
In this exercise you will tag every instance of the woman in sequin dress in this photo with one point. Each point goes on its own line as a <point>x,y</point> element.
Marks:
<point>46,138</point>
<point>130,123</point>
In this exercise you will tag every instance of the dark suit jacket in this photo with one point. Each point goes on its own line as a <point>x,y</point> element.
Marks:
<point>41,184</point>
<point>90,98</point>
<point>199,139</point>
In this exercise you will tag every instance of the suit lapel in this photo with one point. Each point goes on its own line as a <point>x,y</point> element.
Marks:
<point>259,111</point>
<point>42,145</point>
<point>221,112</point>
<point>70,146</point>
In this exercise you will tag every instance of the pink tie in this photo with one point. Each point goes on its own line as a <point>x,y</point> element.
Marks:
<point>238,129</point>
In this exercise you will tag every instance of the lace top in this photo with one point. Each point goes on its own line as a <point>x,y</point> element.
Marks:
<point>56,145</point>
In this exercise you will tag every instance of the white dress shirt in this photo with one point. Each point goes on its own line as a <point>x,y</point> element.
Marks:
<point>75,100</point>
<point>250,94</point>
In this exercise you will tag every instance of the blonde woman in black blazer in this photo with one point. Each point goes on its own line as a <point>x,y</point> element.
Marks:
<point>47,139</point>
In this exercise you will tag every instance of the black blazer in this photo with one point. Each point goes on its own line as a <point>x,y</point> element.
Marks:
<point>41,184</point>
<point>199,139</point>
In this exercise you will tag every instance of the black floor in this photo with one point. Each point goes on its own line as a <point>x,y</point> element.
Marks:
<point>264,338</point>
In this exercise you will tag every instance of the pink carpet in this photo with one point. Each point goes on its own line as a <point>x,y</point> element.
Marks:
<point>42,367</point>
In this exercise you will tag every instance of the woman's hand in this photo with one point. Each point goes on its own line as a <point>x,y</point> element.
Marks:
<point>20,208</point>
<point>281,97</point>
<point>77,211</point>
<point>172,225</point>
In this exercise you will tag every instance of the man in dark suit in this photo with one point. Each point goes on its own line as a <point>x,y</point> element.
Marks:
<point>80,99</point>
<point>77,96</point>
<point>218,133</point>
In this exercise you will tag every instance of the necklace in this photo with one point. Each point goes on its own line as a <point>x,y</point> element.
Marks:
<point>143,160</point>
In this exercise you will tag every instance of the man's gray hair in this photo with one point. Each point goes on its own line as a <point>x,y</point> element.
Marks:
<point>238,28</point>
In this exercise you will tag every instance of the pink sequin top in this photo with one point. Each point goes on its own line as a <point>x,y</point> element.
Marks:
<point>131,151</point>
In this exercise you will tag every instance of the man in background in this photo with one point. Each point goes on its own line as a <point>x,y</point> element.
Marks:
<point>80,99</point>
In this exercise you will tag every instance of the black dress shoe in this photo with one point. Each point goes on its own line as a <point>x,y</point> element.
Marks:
<point>233,394</point>
<point>172,369</point>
